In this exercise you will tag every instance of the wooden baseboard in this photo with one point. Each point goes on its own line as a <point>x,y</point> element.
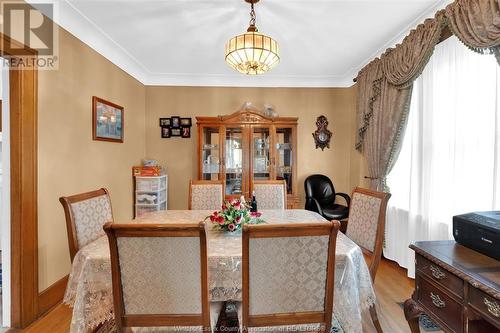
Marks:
<point>52,296</point>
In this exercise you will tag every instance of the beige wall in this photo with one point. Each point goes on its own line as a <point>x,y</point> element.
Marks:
<point>179,155</point>
<point>70,161</point>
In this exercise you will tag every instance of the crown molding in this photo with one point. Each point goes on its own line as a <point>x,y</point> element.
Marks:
<point>211,80</point>
<point>74,21</point>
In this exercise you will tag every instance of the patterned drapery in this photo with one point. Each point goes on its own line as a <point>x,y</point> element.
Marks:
<point>369,79</point>
<point>384,136</point>
<point>385,84</point>
<point>477,24</point>
<point>405,62</point>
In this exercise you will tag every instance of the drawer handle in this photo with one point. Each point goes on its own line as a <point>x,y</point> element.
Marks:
<point>437,301</point>
<point>437,273</point>
<point>493,307</point>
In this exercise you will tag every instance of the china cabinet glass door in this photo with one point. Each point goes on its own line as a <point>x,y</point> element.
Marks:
<point>234,160</point>
<point>284,156</point>
<point>247,146</point>
<point>261,157</point>
<point>210,153</point>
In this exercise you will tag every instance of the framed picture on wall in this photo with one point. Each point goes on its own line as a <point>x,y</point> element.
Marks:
<point>107,120</point>
<point>186,132</point>
<point>165,122</point>
<point>176,131</point>
<point>186,122</point>
<point>165,132</point>
<point>176,122</point>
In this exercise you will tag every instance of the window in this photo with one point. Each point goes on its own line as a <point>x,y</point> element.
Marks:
<point>449,163</point>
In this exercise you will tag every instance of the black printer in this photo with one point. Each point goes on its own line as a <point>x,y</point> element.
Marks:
<point>479,231</point>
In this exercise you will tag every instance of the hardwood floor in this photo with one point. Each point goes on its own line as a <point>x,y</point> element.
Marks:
<point>391,286</point>
<point>56,321</point>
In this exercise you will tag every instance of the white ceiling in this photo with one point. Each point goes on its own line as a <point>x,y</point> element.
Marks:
<point>181,42</point>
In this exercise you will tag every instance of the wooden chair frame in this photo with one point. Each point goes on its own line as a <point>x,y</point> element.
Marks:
<point>115,231</point>
<point>376,255</point>
<point>66,202</point>
<point>273,182</point>
<point>290,230</point>
<point>204,182</point>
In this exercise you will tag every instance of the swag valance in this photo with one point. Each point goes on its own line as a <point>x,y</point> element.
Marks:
<point>476,24</point>
<point>385,84</point>
<point>405,62</point>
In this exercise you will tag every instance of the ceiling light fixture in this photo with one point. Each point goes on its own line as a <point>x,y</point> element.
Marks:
<point>252,53</point>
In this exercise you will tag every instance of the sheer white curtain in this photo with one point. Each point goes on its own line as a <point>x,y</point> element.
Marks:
<point>449,163</point>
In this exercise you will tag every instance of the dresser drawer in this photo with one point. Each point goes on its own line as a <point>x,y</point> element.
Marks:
<point>441,276</point>
<point>438,303</point>
<point>486,304</point>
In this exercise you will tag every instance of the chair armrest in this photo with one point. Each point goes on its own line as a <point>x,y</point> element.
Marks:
<point>346,197</point>
<point>313,205</point>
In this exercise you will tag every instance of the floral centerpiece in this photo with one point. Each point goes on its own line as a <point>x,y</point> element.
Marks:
<point>234,215</point>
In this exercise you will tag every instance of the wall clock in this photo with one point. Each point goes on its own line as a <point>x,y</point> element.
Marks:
<point>322,135</point>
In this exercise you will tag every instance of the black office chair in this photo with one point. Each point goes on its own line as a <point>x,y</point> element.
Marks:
<point>320,198</point>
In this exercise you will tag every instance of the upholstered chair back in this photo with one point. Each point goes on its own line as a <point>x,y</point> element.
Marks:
<point>367,222</point>
<point>86,214</point>
<point>278,259</point>
<point>159,270</point>
<point>206,194</point>
<point>170,266</point>
<point>270,194</point>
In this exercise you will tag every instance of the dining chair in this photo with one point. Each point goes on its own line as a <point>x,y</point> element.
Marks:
<point>206,194</point>
<point>160,277</point>
<point>270,194</point>
<point>86,214</point>
<point>293,288</point>
<point>366,227</point>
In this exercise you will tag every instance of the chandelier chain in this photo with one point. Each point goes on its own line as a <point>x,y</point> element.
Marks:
<point>253,16</point>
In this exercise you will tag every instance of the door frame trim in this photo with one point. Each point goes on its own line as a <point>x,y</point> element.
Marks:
<point>23,102</point>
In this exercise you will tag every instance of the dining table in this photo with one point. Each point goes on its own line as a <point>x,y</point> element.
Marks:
<point>89,289</point>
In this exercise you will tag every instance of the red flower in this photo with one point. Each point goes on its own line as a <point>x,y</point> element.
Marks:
<point>220,219</point>
<point>255,214</point>
<point>238,219</point>
<point>213,217</point>
<point>231,227</point>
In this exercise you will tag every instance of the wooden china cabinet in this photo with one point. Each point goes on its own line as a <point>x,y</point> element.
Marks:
<point>247,146</point>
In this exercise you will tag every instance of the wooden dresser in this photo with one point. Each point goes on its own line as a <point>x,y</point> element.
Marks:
<point>457,287</point>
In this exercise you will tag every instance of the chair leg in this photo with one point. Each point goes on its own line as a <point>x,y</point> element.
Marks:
<point>343,225</point>
<point>376,322</point>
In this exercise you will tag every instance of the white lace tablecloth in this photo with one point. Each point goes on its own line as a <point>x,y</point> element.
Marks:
<point>89,289</point>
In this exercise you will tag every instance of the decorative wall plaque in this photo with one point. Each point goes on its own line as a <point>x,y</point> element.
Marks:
<point>322,135</point>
